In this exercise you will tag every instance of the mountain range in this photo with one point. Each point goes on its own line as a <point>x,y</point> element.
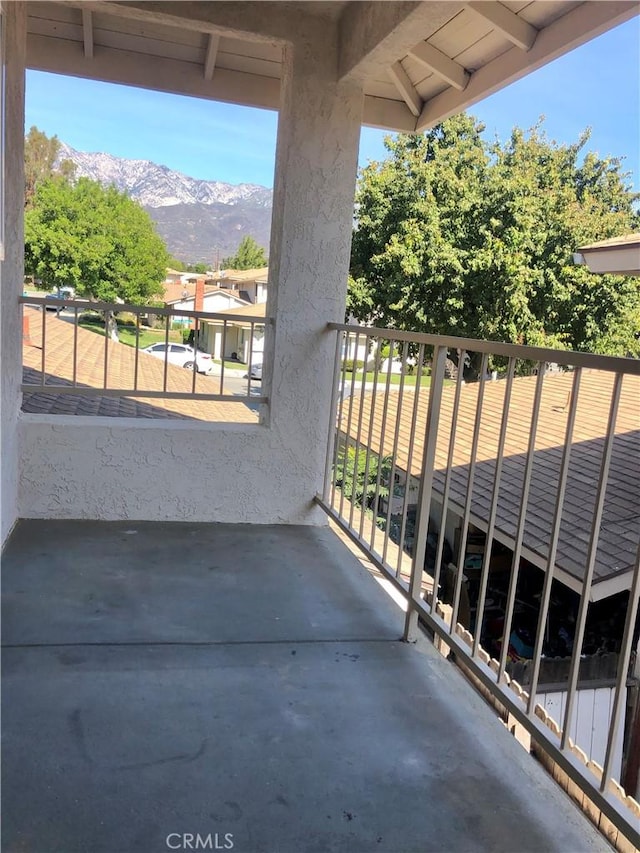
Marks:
<point>198,220</point>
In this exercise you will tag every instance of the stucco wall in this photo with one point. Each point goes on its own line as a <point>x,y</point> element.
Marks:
<point>11,269</point>
<point>121,468</point>
<point>99,468</point>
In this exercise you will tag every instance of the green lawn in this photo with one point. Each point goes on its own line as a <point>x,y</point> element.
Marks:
<point>127,335</point>
<point>231,364</point>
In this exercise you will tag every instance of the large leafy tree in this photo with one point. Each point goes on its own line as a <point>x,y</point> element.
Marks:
<point>249,256</point>
<point>41,162</point>
<point>94,239</point>
<point>458,236</point>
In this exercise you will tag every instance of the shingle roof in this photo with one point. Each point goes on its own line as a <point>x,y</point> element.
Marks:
<point>121,368</point>
<point>621,518</point>
<point>174,292</point>
<point>613,242</point>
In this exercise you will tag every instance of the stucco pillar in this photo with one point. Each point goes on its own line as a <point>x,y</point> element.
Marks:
<point>316,165</point>
<point>14,22</point>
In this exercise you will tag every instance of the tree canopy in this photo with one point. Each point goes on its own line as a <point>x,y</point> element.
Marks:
<point>94,239</point>
<point>40,162</point>
<point>249,256</point>
<point>458,236</point>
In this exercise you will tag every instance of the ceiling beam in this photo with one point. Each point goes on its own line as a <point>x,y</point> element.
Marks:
<point>87,33</point>
<point>518,31</point>
<point>250,21</point>
<point>441,64</point>
<point>212,53</point>
<point>406,88</point>
<point>387,114</point>
<point>45,53</point>
<point>578,26</point>
<point>376,34</point>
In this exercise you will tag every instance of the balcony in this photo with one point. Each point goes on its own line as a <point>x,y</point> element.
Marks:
<point>250,680</point>
<point>191,655</point>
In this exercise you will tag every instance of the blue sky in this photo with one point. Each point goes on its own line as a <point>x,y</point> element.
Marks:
<point>597,86</point>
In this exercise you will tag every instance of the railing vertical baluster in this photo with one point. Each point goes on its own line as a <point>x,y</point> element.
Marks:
<point>447,479</point>
<point>251,334</point>
<point>486,561</point>
<point>426,489</point>
<point>222,354</point>
<point>383,430</point>
<point>372,412</point>
<point>334,421</point>
<point>356,458</point>
<point>75,346</point>
<point>412,438</point>
<point>623,671</point>
<point>349,417</point>
<point>107,316</point>
<point>137,353</point>
<point>553,545</point>
<point>195,354</point>
<point>591,559</point>
<point>470,483</point>
<point>166,353</point>
<point>522,520</point>
<point>44,346</point>
<point>394,452</point>
<point>341,371</point>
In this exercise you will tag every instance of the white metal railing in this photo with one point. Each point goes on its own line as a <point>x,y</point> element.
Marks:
<point>140,366</point>
<point>487,456</point>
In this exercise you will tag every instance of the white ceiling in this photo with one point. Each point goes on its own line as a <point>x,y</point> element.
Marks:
<point>419,62</point>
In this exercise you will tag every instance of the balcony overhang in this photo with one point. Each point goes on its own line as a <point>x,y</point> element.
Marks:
<point>419,62</point>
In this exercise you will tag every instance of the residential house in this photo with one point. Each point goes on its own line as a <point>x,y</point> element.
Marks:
<point>238,663</point>
<point>237,332</point>
<point>251,285</point>
<point>183,297</point>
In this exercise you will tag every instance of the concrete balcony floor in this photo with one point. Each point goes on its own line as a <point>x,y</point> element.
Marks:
<point>162,679</point>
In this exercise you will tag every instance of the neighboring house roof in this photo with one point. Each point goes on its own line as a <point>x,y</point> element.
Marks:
<point>209,291</point>
<point>174,291</point>
<point>121,367</point>
<point>617,255</point>
<point>257,311</point>
<point>621,517</point>
<point>242,276</point>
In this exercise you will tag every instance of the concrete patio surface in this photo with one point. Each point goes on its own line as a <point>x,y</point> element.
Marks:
<point>245,685</point>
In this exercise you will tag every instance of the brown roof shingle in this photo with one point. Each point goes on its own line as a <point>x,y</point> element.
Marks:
<point>58,368</point>
<point>620,528</point>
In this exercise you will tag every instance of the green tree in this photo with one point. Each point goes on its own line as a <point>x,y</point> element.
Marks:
<point>248,257</point>
<point>458,236</point>
<point>198,268</point>
<point>40,156</point>
<point>354,472</point>
<point>94,239</point>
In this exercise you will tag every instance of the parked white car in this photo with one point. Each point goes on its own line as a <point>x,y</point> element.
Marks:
<point>181,355</point>
<point>255,372</point>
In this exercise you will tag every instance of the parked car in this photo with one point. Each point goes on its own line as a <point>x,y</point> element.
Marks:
<point>58,296</point>
<point>181,355</point>
<point>255,371</point>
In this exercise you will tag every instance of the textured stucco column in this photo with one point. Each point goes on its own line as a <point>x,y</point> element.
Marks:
<point>12,268</point>
<point>316,166</point>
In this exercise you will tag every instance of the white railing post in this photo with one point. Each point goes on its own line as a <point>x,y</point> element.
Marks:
<point>426,491</point>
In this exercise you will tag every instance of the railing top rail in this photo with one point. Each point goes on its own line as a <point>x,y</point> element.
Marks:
<point>614,364</point>
<point>145,309</point>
